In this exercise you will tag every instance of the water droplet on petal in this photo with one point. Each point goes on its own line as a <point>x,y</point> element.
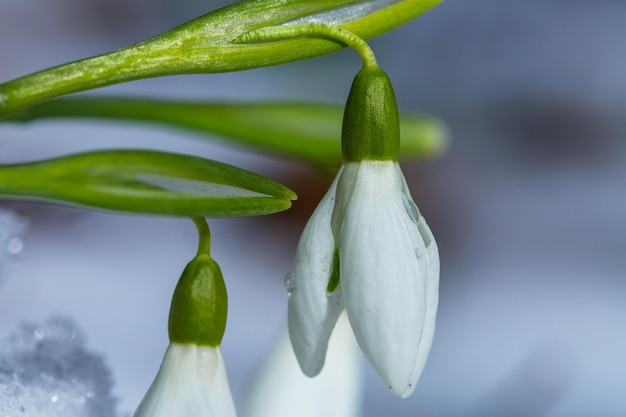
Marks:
<point>424,232</point>
<point>410,208</point>
<point>289,283</point>
<point>418,253</point>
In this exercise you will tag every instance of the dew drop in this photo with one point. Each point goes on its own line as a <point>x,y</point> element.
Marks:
<point>39,333</point>
<point>418,253</point>
<point>289,283</point>
<point>425,233</point>
<point>15,245</point>
<point>410,208</point>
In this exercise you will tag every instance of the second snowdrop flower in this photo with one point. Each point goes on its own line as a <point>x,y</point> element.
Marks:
<point>367,249</point>
<point>192,379</point>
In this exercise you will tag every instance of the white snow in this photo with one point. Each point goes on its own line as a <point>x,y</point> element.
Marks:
<point>45,371</point>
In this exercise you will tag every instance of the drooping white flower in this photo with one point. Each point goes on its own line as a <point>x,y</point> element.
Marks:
<point>388,275</point>
<point>192,381</point>
<point>281,390</point>
<point>367,249</point>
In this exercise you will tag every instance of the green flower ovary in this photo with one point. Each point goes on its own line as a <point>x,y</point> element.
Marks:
<point>199,305</point>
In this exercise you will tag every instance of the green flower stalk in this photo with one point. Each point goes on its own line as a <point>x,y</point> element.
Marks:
<point>207,45</point>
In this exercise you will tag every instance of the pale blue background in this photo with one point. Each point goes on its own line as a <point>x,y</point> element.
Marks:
<point>528,206</point>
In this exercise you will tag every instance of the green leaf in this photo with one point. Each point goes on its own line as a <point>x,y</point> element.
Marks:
<point>206,45</point>
<point>149,182</point>
<point>310,132</point>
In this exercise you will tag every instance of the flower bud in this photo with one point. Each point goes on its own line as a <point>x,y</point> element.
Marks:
<point>199,305</point>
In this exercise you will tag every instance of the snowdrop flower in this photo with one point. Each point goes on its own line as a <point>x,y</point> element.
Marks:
<point>192,379</point>
<point>280,388</point>
<point>367,249</point>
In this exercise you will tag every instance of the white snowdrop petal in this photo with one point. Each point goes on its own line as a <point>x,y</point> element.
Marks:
<point>383,269</point>
<point>432,292</point>
<point>281,390</point>
<point>432,300</point>
<point>312,312</point>
<point>192,381</point>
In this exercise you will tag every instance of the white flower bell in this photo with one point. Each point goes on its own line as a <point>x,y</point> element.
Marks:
<point>367,249</point>
<point>191,382</point>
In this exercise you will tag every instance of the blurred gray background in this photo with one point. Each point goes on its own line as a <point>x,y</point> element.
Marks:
<point>528,205</point>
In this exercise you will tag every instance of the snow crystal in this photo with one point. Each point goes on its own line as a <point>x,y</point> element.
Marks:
<point>45,371</point>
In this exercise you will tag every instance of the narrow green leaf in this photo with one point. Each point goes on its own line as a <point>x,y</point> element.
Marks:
<point>149,182</point>
<point>206,45</point>
<point>310,132</point>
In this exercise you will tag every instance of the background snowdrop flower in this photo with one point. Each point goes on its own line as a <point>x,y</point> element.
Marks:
<point>367,249</point>
<point>192,379</point>
<point>281,390</point>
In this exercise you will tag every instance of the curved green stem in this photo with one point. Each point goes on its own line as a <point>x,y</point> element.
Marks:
<point>308,30</point>
<point>204,235</point>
